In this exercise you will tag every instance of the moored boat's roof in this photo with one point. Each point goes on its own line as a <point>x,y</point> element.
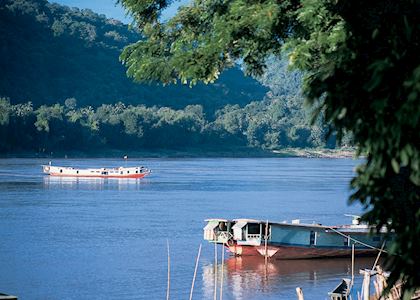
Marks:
<point>217,220</point>
<point>285,223</point>
<point>346,228</point>
<point>248,220</point>
<point>282,223</point>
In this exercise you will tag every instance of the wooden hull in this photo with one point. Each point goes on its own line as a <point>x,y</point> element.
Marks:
<point>294,252</point>
<point>101,176</point>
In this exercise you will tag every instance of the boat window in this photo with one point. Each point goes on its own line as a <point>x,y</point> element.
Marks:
<point>253,228</point>
<point>128,172</point>
<point>312,238</point>
<point>121,172</point>
<point>61,171</point>
<point>137,172</point>
<point>77,172</point>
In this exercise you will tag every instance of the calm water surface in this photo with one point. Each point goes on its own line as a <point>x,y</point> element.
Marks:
<point>106,238</point>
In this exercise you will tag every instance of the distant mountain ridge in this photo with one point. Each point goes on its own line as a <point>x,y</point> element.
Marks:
<point>50,52</point>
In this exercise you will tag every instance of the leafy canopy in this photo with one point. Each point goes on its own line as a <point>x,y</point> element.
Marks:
<point>362,70</point>
<point>270,124</point>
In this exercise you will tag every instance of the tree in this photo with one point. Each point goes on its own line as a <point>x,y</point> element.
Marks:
<point>44,115</point>
<point>5,109</point>
<point>361,70</point>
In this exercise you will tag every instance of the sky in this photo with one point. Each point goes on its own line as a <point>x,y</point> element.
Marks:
<point>113,10</point>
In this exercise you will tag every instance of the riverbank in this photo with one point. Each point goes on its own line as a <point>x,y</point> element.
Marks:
<point>239,152</point>
<point>317,152</point>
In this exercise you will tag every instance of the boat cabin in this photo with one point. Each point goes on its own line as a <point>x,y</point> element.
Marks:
<point>218,230</point>
<point>249,232</point>
<point>242,231</point>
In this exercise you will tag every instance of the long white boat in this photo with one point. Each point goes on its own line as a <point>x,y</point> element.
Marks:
<point>120,172</point>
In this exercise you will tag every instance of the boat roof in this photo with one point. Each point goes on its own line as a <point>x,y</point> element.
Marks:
<point>282,223</point>
<point>345,228</point>
<point>248,220</point>
<point>218,220</point>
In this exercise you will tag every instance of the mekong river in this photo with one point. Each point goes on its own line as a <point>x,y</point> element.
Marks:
<point>64,238</point>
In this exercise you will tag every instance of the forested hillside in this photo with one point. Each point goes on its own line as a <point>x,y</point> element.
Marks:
<point>269,124</point>
<point>50,52</point>
<point>63,89</point>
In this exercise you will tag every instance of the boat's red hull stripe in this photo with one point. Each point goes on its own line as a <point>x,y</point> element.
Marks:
<point>286,252</point>
<point>101,176</point>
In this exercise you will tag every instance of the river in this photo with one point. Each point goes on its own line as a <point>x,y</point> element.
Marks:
<point>65,238</point>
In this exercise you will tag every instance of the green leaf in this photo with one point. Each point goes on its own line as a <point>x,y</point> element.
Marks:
<point>395,165</point>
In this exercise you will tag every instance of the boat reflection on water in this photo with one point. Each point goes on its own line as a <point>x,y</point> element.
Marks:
<point>75,183</point>
<point>247,277</point>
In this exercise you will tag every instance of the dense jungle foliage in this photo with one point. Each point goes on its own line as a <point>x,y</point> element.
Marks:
<point>50,52</point>
<point>270,124</point>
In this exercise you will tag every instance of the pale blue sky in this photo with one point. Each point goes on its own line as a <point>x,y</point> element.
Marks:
<point>111,9</point>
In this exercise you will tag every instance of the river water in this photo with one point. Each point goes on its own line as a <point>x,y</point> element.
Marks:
<point>107,238</point>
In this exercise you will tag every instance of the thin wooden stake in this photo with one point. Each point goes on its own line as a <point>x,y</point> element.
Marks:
<point>366,284</point>
<point>378,256</point>
<point>266,251</point>
<point>222,270</point>
<point>352,264</point>
<point>169,272</point>
<point>265,243</point>
<point>299,293</point>
<point>195,272</point>
<point>215,272</point>
<point>377,290</point>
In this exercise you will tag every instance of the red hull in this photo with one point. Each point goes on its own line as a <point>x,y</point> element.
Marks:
<point>292,252</point>
<point>101,176</point>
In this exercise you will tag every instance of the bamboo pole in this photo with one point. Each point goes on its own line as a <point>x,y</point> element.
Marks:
<point>380,278</point>
<point>222,270</point>
<point>169,272</point>
<point>366,284</point>
<point>265,244</point>
<point>195,272</point>
<point>378,256</point>
<point>299,293</point>
<point>215,272</point>
<point>352,264</point>
<point>378,292</point>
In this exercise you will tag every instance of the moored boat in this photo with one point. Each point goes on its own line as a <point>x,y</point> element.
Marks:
<point>294,240</point>
<point>120,172</point>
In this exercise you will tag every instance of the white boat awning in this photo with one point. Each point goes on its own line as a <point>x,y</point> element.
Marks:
<point>211,225</point>
<point>239,225</point>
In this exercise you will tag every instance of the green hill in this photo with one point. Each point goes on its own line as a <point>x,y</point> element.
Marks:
<point>51,55</point>
<point>50,52</point>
